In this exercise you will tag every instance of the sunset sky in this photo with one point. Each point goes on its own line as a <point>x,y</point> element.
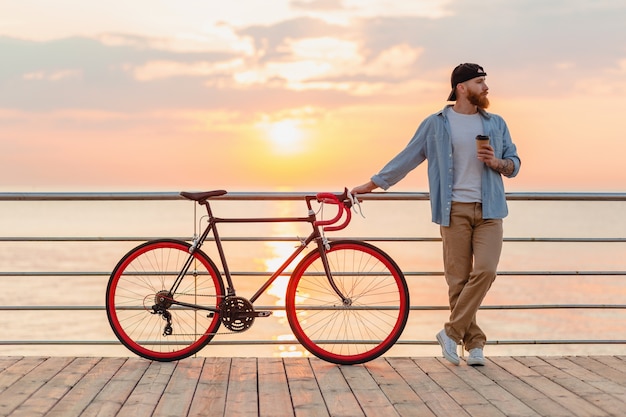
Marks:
<point>263,95</point>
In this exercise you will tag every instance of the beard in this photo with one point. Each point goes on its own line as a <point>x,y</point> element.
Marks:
<point>478,100</point>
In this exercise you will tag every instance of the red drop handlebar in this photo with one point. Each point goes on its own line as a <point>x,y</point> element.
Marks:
<point>343,206</point>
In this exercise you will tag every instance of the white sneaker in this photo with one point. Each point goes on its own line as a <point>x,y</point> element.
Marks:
<point>476,357</point>
<point>448,347</point>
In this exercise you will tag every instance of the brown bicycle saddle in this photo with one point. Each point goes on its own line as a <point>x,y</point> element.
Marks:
<point>202,196</point>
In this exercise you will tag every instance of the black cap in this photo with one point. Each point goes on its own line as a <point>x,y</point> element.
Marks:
<point>462,73</point>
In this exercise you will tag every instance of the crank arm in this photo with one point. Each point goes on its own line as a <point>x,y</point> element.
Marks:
<point>243,315</point>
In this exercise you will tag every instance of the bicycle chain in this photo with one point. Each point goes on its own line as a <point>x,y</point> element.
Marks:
<point>212,334</point>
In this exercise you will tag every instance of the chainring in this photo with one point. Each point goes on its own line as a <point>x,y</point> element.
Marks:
<point>237,313</point>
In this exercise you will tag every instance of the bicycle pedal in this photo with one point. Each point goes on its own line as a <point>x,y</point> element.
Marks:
<point>262,313</point>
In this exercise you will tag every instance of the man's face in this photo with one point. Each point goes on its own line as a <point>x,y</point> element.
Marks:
<point>477,91</point>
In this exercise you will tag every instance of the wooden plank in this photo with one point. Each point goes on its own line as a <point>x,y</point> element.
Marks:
<point>610,367</point>
<point>176,399</point>
<point>85,390</point>
<point>210,396</point>
<point>536,373</point>
<point>114,394</point>
<point>527,394</point>
<point>404,400</point>
<point>17,370</point>
<point>56,388</point>
<point>27,380</point>
<point>8,361</point>
<point>592,374</point>
<point>503,400</point>
<point>144,398</point>
<point>338,396</point>
<point>372,400</point>
<point>274,397</point>
<point>471,401</point>
<point>520,386</point>
<point>435,398</point>
<point>306,396</point>
<point>242,396</point>
<point>556,370</point>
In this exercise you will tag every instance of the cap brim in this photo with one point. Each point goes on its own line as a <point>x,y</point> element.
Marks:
<point>452,96</point>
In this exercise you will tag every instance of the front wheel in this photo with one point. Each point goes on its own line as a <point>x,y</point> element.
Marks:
<point>141,301</point>
<point>364,325</point>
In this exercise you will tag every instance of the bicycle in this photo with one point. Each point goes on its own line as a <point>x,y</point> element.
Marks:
<point>347,301</point>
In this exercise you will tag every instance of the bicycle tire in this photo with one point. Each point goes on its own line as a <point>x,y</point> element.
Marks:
<point>131,292</point>
<point>366,328</point>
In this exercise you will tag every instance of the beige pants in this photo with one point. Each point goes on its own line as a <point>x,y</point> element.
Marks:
<point>471,252</point>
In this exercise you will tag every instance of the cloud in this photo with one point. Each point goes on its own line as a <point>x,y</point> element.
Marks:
<point>54,75</point>
<point>155,70</point>
<point>317,5</point>
<point>195,79</point>
<point>88,73</point>
<point>544,50</point>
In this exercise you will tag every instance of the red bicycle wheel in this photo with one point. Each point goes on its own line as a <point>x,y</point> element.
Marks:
<point>363,327</point>
<point>143,279</point>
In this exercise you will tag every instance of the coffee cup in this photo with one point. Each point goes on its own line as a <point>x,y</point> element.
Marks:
<point>481,140</point>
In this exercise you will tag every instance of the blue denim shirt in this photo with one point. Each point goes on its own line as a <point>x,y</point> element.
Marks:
<point>432,142</point>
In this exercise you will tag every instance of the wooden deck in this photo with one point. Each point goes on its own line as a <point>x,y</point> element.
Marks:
<point>506,386</point>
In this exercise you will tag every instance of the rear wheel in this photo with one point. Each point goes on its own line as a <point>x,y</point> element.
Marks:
<point>363,327</point>
<point>142,310</point>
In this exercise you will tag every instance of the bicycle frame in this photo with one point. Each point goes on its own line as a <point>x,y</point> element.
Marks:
<point>315,235</point>
<point>354,325</point>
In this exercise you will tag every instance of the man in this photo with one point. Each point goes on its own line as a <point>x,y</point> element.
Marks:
<point>467,199</point>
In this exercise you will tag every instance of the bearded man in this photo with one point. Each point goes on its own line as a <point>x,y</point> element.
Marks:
<point>467,199</point>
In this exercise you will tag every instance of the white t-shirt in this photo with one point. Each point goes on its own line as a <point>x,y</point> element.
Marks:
<point>466,187</point>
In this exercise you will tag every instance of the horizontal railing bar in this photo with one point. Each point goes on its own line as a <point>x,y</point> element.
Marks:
<point>266,274</point>
<point>258,196</point>
<point>90,196</point>
<point>279,308</point>
<point>295,239</point>
<point>551,306</point>
<point>524,342</point>
<point>557,342</point>
<point>295,342</point>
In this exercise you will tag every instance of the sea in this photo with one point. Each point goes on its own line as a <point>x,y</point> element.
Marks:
<point>41,238</point>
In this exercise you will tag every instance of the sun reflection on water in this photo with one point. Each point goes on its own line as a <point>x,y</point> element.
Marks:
<point>278,252</point>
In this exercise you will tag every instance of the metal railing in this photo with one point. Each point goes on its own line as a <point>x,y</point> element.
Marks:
<point>7,272</point>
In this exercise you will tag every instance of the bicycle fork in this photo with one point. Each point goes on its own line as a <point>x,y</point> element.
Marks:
<point>323,246</point>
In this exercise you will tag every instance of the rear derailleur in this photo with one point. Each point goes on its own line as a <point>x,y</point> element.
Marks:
<point>163,301</point>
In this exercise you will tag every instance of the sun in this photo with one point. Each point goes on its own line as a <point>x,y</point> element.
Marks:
<point>286,136</point>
